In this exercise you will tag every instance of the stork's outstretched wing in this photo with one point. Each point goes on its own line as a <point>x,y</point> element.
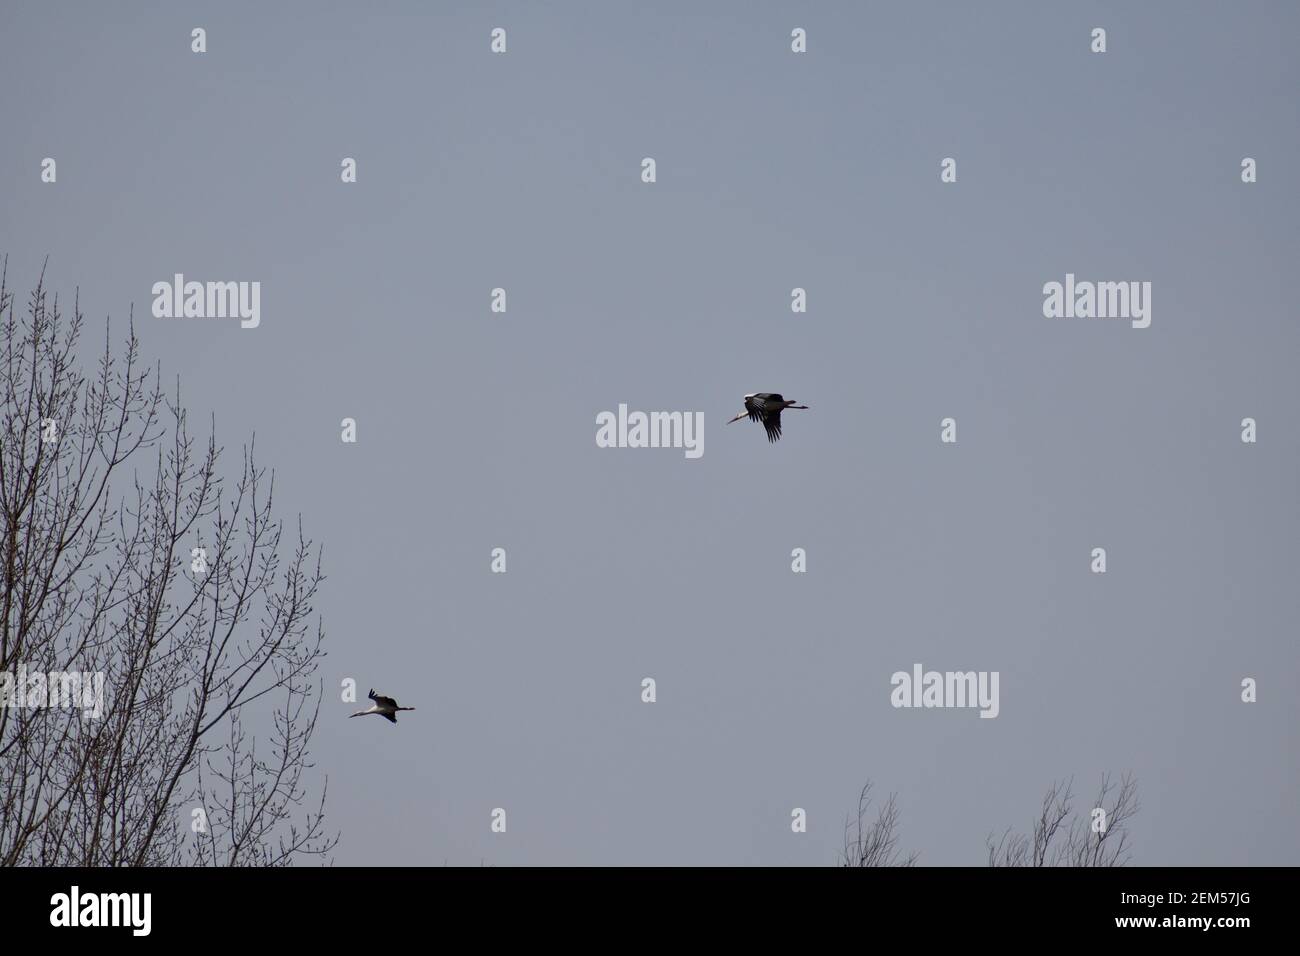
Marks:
<point>763,403</point>
<point>772,423</point>
<point>383,701</point>
<point>392,717</point>
<point>766,407</point>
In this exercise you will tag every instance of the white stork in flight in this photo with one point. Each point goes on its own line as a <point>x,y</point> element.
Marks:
<point>766,407</point>
<point>383,706</point>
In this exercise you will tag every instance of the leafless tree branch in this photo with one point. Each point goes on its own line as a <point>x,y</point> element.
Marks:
<point>98,530</point>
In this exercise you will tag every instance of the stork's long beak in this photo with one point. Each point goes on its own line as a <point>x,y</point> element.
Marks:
<point>738,417</point>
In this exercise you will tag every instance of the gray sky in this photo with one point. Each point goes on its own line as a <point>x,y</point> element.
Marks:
<point>775,170</point>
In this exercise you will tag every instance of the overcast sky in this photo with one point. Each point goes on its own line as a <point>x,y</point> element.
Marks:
<point>775,170</point>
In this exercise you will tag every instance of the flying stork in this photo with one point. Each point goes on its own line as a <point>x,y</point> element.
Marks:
<point>766,407</point>
<point>384,706</point>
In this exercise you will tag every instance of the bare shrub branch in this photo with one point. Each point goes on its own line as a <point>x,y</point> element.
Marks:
<point>1060,839</point>
<point>874,843</point>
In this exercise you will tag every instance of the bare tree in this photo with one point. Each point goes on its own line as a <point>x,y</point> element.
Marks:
<point>874,843</point>
<point>126,555</point>
<point>1058,839</point>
